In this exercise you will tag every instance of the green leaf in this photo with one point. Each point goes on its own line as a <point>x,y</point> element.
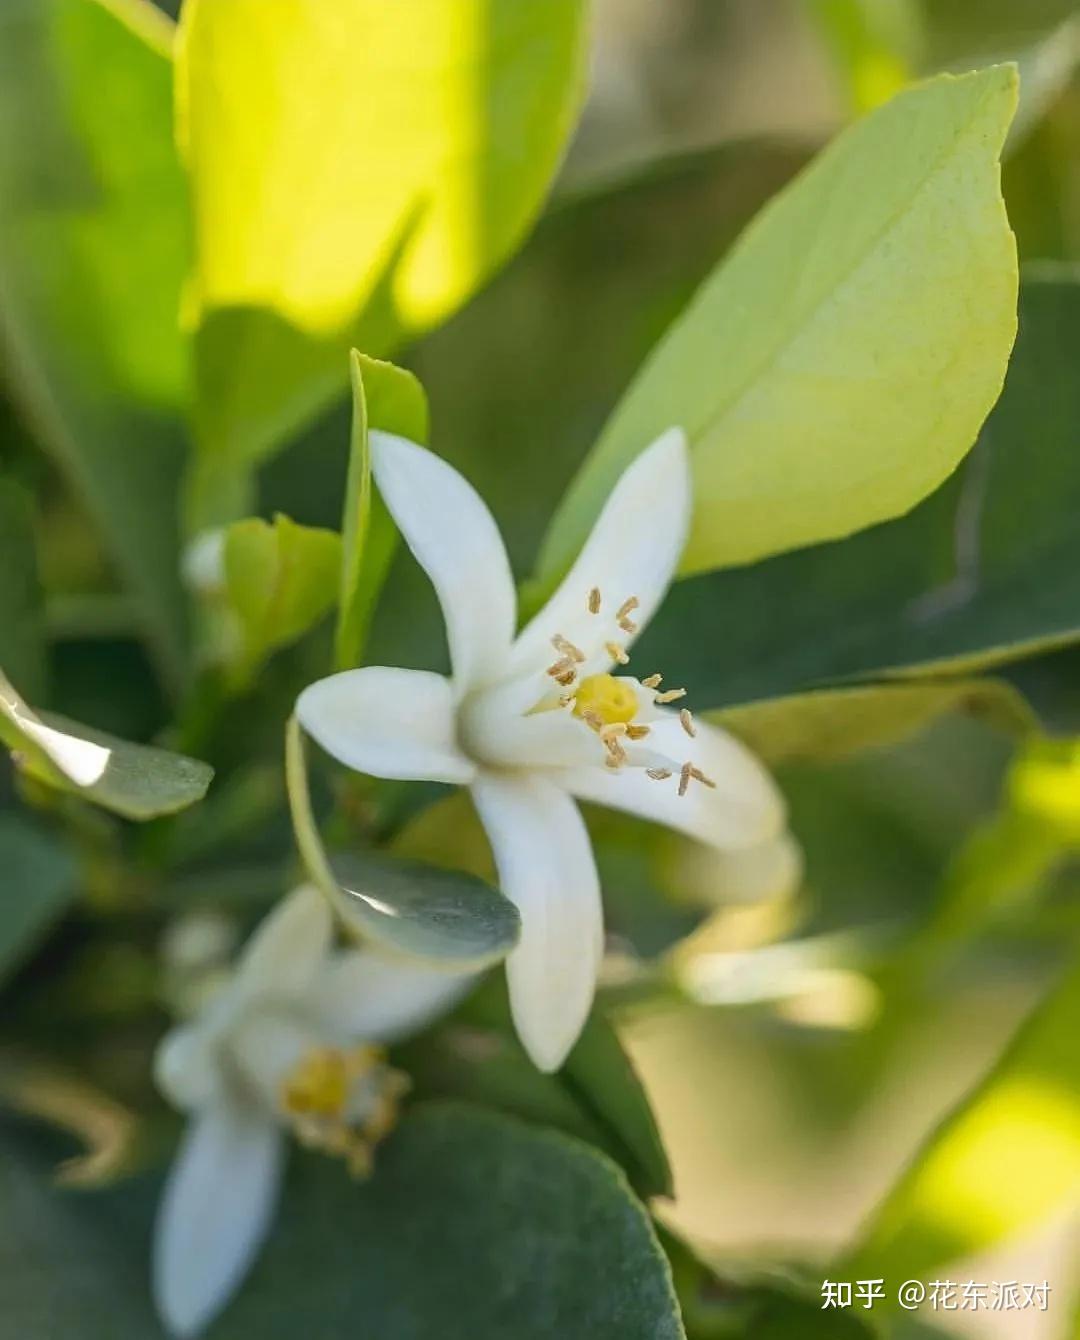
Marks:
<point>357,172</point>
<point>834,723</point>
<point>884,276</point>
<point>39,884</point>
<point>22,630</point>
<point>415,910</point>
<point>1004,1161</point>
<point>985,571</point>
<point>473,1227</point>
<point>386,397</point>
<point>280,580</point>
<point>93,253</point>
<point>137,781</point>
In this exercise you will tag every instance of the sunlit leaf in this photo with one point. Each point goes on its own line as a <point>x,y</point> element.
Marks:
<point>357,171</point>
<point>137,781</point>
<point>884,276</point>
<point>93,252</point>
<point>39,883</point>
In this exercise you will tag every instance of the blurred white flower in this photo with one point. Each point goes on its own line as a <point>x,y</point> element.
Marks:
<point>529,722</point>
<point>289,1044</point>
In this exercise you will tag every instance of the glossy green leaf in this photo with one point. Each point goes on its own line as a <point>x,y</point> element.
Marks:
<point>93,253</point>
<point>280,580</point>
<point>386,397</point>
<point>833,723</point>
<point>1004,1161</point>
<point>473,1227</point>
<point>137,781</point>
<point>356,173</point>
<point>22,630</point>
<point>410,909</point>
<point>39,884</point>
<point>984,571</point>
<point>787,368</point>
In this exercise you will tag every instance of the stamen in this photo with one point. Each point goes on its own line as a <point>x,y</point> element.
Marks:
<point>622,615</point>
<point>561,666</point>
<point>684,777</point>
<point>658,774</point>
<point>567,648</point>
<point>613,730</point>
<point>653,682</point>
<point>699,776</point>
<point>567,699</point>
<point>616,753</point>
<point>687,722</point>
<point>670,696</point>
<point>636,732</point>
<point>593,720</point>
<point>566,679</point>
<point>617,654</point>
<point>594,600</point>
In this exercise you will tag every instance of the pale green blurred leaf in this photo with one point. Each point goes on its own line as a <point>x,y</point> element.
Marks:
<point>357,171</point>
<point>386,397</point>
<point>39,884</point>
<point>885,275</point>
<point>93,252</point>
<point>833,723</point>
<point>1006,1160</point>
<point>22,630</point>
<point>280,580</point>
<point>137,781</point>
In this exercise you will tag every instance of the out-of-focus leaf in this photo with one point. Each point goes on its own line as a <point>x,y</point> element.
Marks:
<point>410,909</point>
<point>357,171</point>
<point>39,882</point>
<point>983,572</point>
<point>833,723</point>
<point>386,397</point>
<point>872,45</point>
<point>93,252</point>
<point>1005,1160</point>
<point>473,1227</point>
<point>136,780</point>
<point>280,580</point>
<point>22,632</point>
<point>958,34</point>
<point>787,367</point>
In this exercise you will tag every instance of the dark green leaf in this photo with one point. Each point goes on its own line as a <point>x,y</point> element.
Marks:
<point>22,634</point>
<point>39,883</point>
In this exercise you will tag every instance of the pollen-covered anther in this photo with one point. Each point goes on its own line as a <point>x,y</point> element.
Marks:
<point>672,695</point>
<point>636,732</point>
<point>653,682</point>
<point>622,615</point>
<point>567,648</point>
<point>687,722</point>
<point>617,653</point>
<point>563,666</point>
<point>658,774</point>
<point>699,776</point>
<point>684,778</point>
<point>593,603</point>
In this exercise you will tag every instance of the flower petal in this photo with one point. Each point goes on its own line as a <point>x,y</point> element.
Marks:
<point>214,1214</point>
<point>454,538</point>
<point>367,996</point>
<point>546,867</point>
<point>744,809</point>
<point>633,551</point>
<point>187,1068</point>
<point>287,949</point>
<point>389,723</point>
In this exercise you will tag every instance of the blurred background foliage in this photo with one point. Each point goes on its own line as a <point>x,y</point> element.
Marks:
<point>799,1049</point>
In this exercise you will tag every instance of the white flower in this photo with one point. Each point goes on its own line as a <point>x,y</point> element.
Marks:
<point>529,722</point>
<point>276,1050</point>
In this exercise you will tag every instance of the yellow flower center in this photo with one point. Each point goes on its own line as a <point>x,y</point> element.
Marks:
<point>604,698</point>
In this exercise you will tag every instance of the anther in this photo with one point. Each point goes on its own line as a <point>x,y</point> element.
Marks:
<point>653,682</point>
<point>658,774</point>
<point>566,678</point>
<point>567,648</point>
<point>593,720</point>
<point>699,776</point>
<point>687,722</point>
<point>594,600</point>
<point>685,773</point>
<point>617,654</point>
<point>670,696</point>
<point>636,732</point>
<point>561,666</point>
<point>622,615</point>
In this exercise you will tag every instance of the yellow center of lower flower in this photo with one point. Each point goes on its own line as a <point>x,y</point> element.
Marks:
<point>343,1102</point>
<point>606,699</point>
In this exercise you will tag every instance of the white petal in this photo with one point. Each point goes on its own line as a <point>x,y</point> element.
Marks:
<point>364,995</point>
<point>633,550</point>
<point>770,871</point>
<point>744,809</point>
<point>214,1214</point>
<point>389,723</point>
<point>546,867</point>
<point>498,728</point>
<point>455,540</point>
<point>287,949</point>
<point>187,1067</point>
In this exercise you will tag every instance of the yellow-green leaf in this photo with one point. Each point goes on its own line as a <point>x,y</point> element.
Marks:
<point>839,363</point>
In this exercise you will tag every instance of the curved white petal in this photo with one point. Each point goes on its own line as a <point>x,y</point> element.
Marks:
<point>364,995</point>
<point>498,728</point>
<point>454,538</point>
<point>187,1067</point>
<point>633,551</point>
<point>286,950</point>
<point>214,1213</point>
<point>386,722</point>
<point>745,807</point>
<point>546,867</point>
